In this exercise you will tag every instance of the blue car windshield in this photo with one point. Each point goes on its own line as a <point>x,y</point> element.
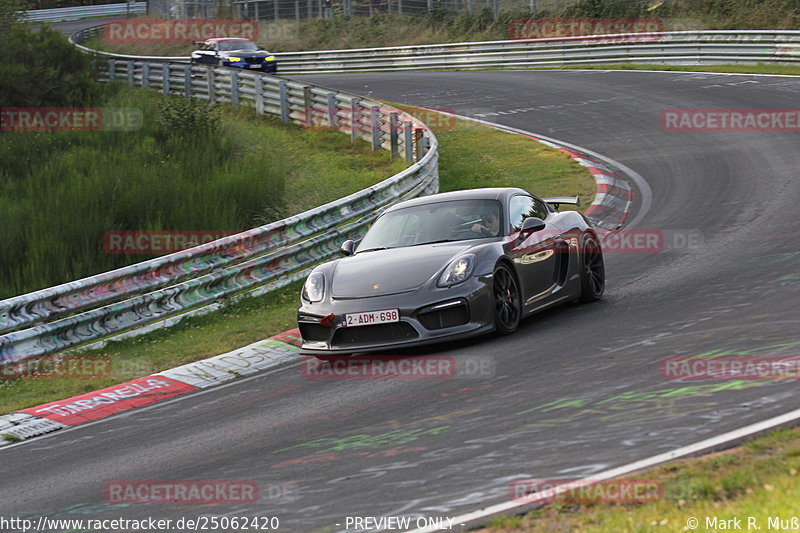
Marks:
<point>455,220</point>
<point>230,46</point>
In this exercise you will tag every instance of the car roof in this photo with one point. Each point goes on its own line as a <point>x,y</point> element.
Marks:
<point>487,193</point>
<point>226,39</point>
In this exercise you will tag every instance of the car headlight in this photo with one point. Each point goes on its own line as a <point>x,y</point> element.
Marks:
<point>457,271</point>
<point>269,58</point>
<point>314,287</point>
<point>234,59</point>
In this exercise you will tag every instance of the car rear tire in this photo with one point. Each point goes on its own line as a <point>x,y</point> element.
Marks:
<point>593,272</point>
<point>506,295</point>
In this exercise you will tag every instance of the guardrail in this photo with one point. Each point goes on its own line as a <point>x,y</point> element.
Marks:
<point>683,47</point>
<point>95,307</point>
<point>79,12</point>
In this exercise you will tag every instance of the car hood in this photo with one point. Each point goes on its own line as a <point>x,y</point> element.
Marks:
<point>383,272</point>
<point>246,53</point>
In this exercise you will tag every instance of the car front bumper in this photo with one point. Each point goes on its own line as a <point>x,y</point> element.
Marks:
<point>427,315</point>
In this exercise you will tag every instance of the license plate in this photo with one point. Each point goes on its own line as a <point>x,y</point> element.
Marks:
<point>368,318</point>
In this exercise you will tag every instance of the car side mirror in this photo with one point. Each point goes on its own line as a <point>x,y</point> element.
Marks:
<point>347,247</point>
<point>260,47</point>
<point>532,225</point>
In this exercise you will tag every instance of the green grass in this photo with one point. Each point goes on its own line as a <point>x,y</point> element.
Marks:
<point>473,155</point>
<point>60,192</point>
<point>758,479</point>
<point>438,26</point>
<point>470,156</point>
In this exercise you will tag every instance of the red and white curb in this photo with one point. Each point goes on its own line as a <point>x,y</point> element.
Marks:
<point>609,210</point>
<point>612,203</point>
<point>51,416</point>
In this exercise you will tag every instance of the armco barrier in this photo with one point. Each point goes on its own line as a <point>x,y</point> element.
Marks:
<point>680,47</point>
<point>67,315</point>
<point>79,12</point>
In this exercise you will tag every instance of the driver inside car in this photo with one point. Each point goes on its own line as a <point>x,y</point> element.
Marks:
<point>489,226</point>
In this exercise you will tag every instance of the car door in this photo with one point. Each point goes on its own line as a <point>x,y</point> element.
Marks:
<point>207,54</point>
<point>533,254</point>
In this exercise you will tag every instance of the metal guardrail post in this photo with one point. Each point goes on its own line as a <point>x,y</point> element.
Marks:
<point>355,119</point>
<point>307,107</point>
<point>112,64</point>
<point>187,81</point>
<point>259,90</point>
<point>283,96</point>
<point>375,127</point>
<point>418,148</point>
<point>212,89</point>
<point>408,129</point>
<point>332,110</point>
<point>130,73</point>
<point>145,74</point>
<point>393,133</point>
<point>165,79</point>
<point>235,89</point>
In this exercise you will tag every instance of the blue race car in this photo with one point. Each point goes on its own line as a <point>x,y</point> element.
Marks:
<point>236,53</point>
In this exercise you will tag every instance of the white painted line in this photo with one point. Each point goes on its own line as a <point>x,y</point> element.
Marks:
<point>697,447</point>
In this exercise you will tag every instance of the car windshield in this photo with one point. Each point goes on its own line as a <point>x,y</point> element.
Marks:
<point>455,220</point>
<point>229,46</point>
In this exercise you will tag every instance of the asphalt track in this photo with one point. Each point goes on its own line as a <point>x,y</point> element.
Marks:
<point>576,391</point>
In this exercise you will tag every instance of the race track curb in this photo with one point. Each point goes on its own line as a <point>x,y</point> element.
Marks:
<point>608,211</point>
<point>70,412</point>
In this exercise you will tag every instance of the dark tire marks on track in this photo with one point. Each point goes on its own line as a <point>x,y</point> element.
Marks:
<point>577,390</point>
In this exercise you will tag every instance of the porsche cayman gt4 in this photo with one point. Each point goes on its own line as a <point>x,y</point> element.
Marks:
<point>450,266</point>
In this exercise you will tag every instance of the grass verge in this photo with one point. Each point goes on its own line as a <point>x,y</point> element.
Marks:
<point>471,155</point>
<point>756,480</point>
<point>187,167</point>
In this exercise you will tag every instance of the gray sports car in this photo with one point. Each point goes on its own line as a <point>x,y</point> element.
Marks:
<point>449,266</point>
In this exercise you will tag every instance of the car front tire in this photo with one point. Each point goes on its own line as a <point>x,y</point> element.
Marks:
<point>507,302</point>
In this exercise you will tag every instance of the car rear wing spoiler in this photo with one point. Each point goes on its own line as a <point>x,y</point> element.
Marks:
<point>556,201</point>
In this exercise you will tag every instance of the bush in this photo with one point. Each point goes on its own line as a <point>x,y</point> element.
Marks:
<point>9,14</point>
<point>187,117</point>
<point>42,69</point>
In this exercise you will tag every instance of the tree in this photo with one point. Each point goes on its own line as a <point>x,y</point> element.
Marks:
<point>42,69</point>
